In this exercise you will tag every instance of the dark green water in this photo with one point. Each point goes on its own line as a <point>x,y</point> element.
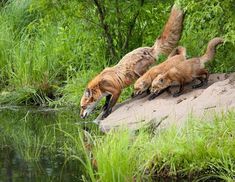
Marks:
<point>33,146</point>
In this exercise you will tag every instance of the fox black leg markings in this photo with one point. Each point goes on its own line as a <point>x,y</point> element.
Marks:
<point>154,95</point>
<point>111,103</point>
<point>202,81</point>
<point>108,97</point>
<point>176,94</point>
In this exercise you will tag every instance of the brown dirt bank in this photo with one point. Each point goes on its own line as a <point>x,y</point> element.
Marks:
<point>165,110</point>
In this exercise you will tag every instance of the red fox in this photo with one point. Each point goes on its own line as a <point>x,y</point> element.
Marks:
<point>186,72</point>
<point>110,82</point>
<point>144,82</point>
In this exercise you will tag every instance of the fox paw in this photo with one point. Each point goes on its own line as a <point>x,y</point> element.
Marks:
<point>176,94</point>
<point>133,95</point>
<point>106,113</point>
<point>152,96</point>
<point>197,86</point>
<point>194,86</point>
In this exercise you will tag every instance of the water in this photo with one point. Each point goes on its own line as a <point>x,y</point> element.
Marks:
<point>13,168</point>
<point>34,147</point>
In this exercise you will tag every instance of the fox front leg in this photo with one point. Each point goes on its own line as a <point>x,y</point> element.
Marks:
<point>154,95</point>
<point>203,76</point>
<point>114,92</point>
<point>143,94</point>
<point>108,97</point>
<point>148,91</point>
<point>133,95</point>
<point>199,84</point>
<point>112,102</point>
<point>176,94</point>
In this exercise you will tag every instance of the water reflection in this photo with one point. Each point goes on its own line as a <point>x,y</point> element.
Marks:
<point>32,147</point>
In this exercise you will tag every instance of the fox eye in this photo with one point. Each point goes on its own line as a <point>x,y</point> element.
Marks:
<point>161,80</point>
<point>83,107</point>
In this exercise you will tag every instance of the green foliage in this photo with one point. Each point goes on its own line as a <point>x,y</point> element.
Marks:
<point>205,20</point>
<point>117,158</point>
<point>55,47</point>
<point>195,149</point>
<point>201,150</point>
<point>45,49</point>
<point>189,151</point>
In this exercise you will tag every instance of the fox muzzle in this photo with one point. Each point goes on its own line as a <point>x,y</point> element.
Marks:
<point>83,114</point>
<point>86,110</point>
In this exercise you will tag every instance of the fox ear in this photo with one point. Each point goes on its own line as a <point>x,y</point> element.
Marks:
<point>87,93</point>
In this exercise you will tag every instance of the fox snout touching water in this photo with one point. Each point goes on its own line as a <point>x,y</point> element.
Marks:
<point>110,82</point>
<point>144,82</point>
<point>91,97</point>
<point>186,72</point>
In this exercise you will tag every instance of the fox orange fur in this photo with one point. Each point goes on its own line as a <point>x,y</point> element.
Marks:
<point>186,71</point>
<point>110,82</point>
<point>144,82</point>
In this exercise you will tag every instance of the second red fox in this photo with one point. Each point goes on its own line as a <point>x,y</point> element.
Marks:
<point>186,71</point>
<point>144,82</point>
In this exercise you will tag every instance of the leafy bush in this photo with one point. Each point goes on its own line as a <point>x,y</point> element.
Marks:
<point>54,46</point>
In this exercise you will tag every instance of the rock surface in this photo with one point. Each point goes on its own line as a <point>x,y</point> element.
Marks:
<point>218,95</point>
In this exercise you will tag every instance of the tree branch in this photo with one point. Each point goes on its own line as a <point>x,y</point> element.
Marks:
<point>132,26</point>
<point>120,43</point>
<point>105,26</point>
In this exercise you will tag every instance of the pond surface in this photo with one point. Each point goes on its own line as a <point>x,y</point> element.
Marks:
<point>34,146</point>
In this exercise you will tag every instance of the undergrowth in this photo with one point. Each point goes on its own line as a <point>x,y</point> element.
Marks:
<point>49,50</point>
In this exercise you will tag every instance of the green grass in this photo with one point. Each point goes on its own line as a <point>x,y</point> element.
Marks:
<point>40,52</point>
<point>205,147</point>
<point>201,150</point>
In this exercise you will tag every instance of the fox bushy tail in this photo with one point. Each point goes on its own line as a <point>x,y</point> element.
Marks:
<point>171,33</point>
<point>211,49</point>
